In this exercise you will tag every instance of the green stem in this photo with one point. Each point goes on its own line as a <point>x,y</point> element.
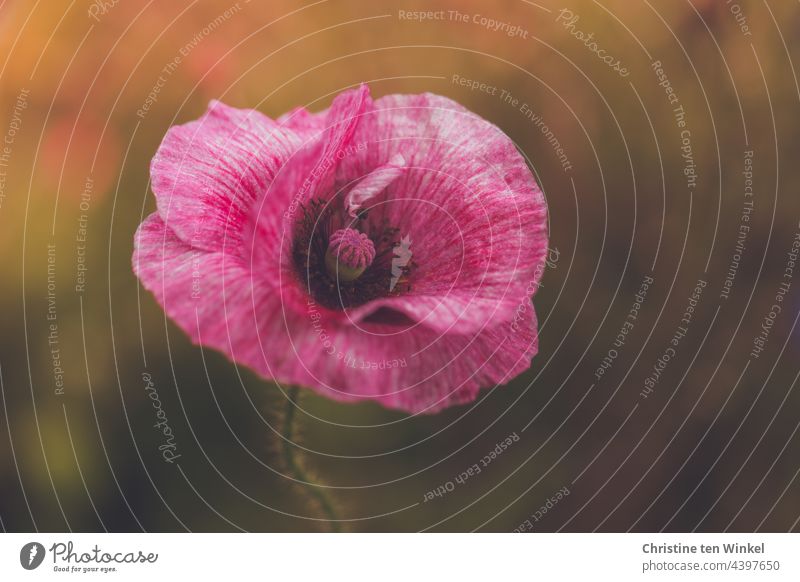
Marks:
<point>296,469</point>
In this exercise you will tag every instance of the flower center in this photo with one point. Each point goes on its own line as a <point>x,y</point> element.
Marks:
<point>349,254</point>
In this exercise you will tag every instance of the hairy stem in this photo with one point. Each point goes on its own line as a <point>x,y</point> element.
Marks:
<point>295,467</point>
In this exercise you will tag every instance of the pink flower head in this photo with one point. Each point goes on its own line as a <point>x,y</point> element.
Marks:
<point>383,250</point>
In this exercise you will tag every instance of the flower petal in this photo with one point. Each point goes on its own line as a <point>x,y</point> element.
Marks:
<point>213,297</point>
<point>207,173</point>
<point>343,117</point>
<point>192,285</point>
<point>417,370</point>
<point>308,174</point>
<point>467,200</point>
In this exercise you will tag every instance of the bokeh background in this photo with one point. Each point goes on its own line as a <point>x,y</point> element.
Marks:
<point>713,446</point>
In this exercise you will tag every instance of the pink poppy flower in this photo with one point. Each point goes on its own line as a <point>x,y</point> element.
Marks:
<point>384,250</point>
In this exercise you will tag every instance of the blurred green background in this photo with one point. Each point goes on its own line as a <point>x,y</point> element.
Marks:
<point>714,447</point>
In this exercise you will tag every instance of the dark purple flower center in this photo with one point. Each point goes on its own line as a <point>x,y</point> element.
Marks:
<point>345,262</point>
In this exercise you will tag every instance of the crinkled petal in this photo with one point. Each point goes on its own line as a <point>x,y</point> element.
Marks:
<point>213,297</point>
<point>343,118</point>
<point>468,202</point>
<point>308,174</point>
<point>205,293</point>
<point>207,173</point>
<point>416,370</point>
<point>454,312</point>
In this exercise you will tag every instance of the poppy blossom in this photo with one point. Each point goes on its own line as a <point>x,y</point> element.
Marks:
<point>381,250</point>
